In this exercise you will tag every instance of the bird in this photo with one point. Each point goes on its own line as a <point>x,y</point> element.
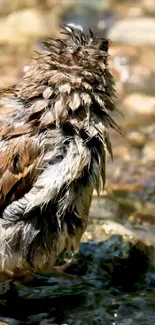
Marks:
<point>54,138</point>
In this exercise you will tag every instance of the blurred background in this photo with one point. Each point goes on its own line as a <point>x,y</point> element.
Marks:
<point>126,209</point>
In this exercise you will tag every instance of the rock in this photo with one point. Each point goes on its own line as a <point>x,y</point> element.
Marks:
<point>139,104</point>
<point>110,228</point>
<point>137,31</point>
<point>122,259</point>
<point>95,282</point>
<point>40,319</point>
<point>137,139</point>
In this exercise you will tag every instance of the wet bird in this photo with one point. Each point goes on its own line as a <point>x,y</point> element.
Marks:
<point>54,135</point>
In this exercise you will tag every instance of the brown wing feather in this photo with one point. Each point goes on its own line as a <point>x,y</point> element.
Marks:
<point>19,162</point>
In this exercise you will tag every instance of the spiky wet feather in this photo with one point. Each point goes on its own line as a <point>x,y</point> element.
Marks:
<point>54,133</point>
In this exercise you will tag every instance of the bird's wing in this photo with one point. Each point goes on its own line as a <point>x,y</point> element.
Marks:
<point>19,157</point>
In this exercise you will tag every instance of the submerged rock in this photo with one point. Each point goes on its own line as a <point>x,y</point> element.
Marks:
<point>92,289</point>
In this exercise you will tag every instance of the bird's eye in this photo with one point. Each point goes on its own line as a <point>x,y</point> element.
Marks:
<point>104,46</point>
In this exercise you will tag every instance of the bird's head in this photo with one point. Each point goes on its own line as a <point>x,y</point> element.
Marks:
<point>72,81</point>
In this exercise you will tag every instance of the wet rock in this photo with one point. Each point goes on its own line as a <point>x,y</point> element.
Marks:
<point>41,318</point>
<point>139,104</point>
<point>136,229</point>
<point>121,259</point>
<point>108,228</point>
<point>95,283</point>
<point>124,262</point>
<point>137,31</point>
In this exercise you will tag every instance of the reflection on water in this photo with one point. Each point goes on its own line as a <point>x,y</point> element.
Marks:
<point>111,281</point>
